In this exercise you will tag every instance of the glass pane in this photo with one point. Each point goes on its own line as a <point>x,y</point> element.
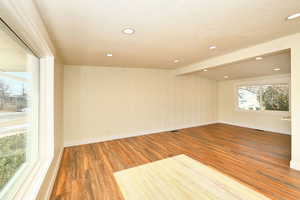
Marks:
<point>18,106</point>
<point>275,97</point>
<point>249,98</point>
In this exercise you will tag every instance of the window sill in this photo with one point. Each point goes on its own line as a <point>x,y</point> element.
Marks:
<point>265,112</point>
<point>28,181</point>
<point>32,185</point>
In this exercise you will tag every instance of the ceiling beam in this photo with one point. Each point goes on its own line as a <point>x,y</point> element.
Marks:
<point>279,44</point>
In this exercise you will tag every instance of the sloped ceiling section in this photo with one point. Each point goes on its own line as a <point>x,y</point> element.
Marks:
<point>84,31</point>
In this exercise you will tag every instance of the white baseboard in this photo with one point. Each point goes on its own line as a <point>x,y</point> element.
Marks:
<point>55,172</point>
<point>253,127</point>
<point>138,133</point>
<point>295,165</point>
<point>146,132</point>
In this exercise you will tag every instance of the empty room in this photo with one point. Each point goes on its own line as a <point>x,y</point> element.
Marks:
<point>149,100</point>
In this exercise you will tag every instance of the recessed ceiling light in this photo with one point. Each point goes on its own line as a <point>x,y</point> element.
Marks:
<point>294,16</point>
<point>276,69</point>
<point>226,77</point>
<point>109,55</point>
<point>258,58</point>
<point>128,31</point>
<point>205,70</point>
<point>176,61</point>
<point>212,47</point>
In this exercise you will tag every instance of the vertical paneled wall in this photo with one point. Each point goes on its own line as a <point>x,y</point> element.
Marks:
<point>102,103</point>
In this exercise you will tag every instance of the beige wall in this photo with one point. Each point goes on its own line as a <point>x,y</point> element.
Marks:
<point>47,185</point>
<point>102,103</point>
<point>228,113</point>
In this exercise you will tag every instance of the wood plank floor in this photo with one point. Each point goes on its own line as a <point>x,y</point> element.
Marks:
<point>257,159</point>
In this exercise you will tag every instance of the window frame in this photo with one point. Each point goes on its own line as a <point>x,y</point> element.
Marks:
<point>32,173</point>
<point>32,153</point>
<point>270,80</point>
<point>38,170</point>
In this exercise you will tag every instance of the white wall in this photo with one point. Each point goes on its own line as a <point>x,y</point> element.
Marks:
<point>228,113</point>
<point>295,83</point>
<point>102,103</point>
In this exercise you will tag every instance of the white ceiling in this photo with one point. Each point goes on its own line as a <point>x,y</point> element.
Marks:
<point>85,30</point>
<point>251,68</point>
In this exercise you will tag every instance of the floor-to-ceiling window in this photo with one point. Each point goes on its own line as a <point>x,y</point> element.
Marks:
<point>19,110</point>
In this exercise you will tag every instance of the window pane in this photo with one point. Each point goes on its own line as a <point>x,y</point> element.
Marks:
<point>249,98</point>
<point>12,156</point>
<point>275,97</point>
<point>18,106</point>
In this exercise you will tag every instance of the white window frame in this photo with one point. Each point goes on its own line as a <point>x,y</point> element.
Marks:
<point>23,17</point>
<point>271,80</point>
<point>10,188</point>
<point>31,174</point>
<point>38,170</point>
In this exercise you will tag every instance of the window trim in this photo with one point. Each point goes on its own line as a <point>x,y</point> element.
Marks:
<point>279,79</point>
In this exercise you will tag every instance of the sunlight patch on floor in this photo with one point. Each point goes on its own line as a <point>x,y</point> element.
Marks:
<point>181,178</point>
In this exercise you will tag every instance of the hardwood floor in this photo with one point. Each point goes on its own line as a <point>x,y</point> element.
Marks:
<point>257,159</point>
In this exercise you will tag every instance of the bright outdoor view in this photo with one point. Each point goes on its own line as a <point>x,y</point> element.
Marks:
<point>15,105</point>
<point>272,97</point>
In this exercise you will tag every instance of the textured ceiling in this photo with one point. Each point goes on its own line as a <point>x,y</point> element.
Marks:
<point>85,30</point>
<point>251,68</point>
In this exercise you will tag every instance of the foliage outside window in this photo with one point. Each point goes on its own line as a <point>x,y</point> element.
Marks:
<point>267,97</point>
<point>13,155</point>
